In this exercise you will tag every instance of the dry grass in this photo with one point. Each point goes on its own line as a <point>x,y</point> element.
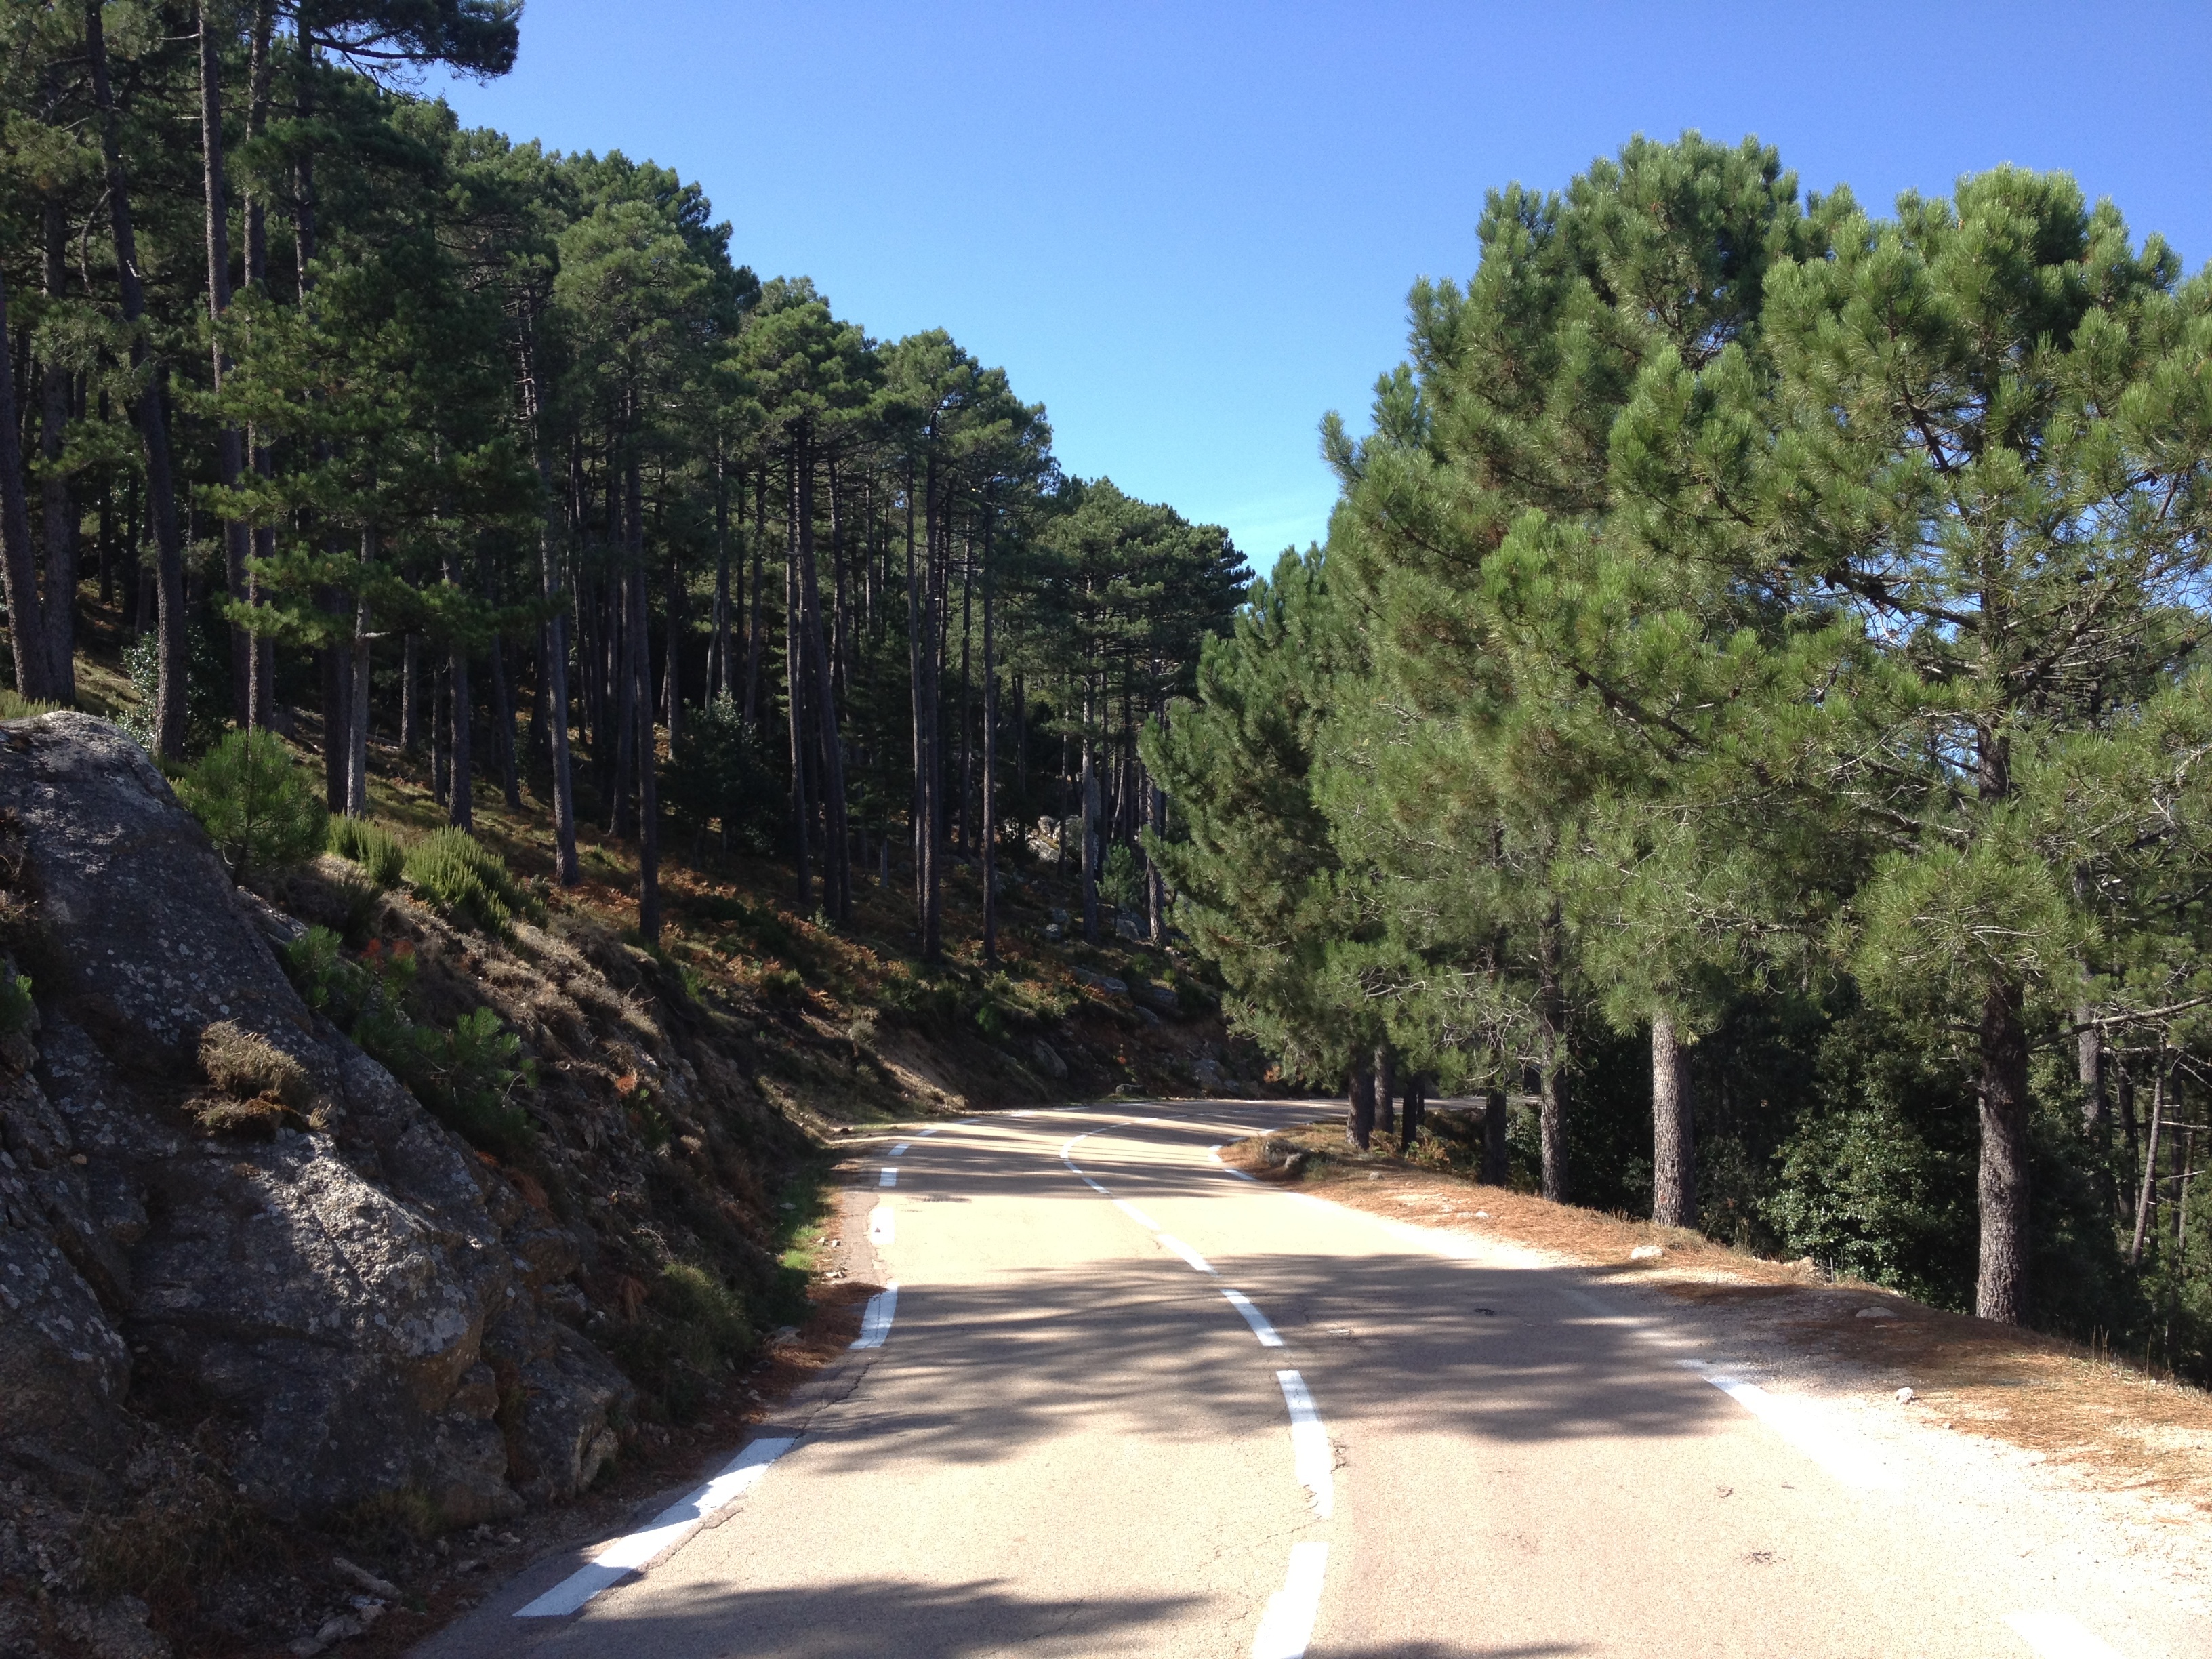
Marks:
<point>249,1067</point>
<point>2118,1429</point>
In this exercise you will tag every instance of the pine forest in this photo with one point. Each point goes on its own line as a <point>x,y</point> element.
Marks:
<point>1742,743</point>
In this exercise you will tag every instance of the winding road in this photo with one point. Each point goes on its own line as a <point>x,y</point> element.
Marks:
<point>1124,1400</point>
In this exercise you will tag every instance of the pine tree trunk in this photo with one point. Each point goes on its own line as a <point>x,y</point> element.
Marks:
<point>411,694</point>
<point>152,414</point>
<point>2000,1286</point>
<point>460,808</point>
<point>1417,1102</point>
<point>502,713</point>
<point>1359,1124</point>
<point>671,673</point>
<point>1088,806</point>
<point>753,626</point>
<point>61,527</point>
<point>1386,1090</point>
<point>648,792</point>
<point>836,866</point>
<point>258,73</point>
<point>1495,1124</point>
<point>553,644</point>
<point>440,760</point>
<point>230,443</point>
<point>1674,1158</point>
<point>1552,1034</point>
<point>719,677</point>
<point>356,797</point>
<point>794,688</point>
<point>20,569</point>
<point>990,763</point>
<point>917,805</point>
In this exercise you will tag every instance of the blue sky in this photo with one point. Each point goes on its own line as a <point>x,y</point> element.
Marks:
<point>1188,230</point>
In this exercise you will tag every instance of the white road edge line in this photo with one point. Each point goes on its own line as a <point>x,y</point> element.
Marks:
<point>636,1551</point>
<point>899,1150</point>
<point>926,1134</point>
<point>1309,1449</point>
<point>1185,1252</point>
<point>1846,1463</point>
<point>1133,1212</point>
<point>2054,1636</point>
<point>876,1322</point>
<point>890,1176</point>
<point>882,1225</point>
<point>1287,1626</point>
<point>1254,1317</point>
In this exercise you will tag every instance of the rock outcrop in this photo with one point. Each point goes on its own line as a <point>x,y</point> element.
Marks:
<point>360,1303</point>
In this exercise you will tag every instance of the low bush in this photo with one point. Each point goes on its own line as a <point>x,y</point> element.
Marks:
<point>381,855</point>
<point>464,880</point>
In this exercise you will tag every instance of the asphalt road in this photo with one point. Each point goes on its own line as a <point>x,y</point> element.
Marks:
<point>1074,1439</point>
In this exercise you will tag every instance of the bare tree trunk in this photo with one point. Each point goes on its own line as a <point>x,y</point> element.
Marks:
<point>1417,1103</point>
<point>1673,1160</point>
<point>1386,1089</point>
<point>1360,1124</point>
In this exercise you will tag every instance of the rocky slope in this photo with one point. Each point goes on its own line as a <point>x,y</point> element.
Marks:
<point>305,1314</point>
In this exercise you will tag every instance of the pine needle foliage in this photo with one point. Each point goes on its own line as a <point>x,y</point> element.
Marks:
<point>257,806</point>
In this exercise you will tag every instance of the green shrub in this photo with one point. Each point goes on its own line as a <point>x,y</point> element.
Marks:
<point>464,880</point>
<point>318,969</point>
<point>207,687</point>
<point>1120,884</point>
<point>260,808</point>
<point>19,1015</point>
<point>380,854</point>
<point>471,1074</point>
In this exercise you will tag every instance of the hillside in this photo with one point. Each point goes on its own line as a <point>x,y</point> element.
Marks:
<point>337,1318</point>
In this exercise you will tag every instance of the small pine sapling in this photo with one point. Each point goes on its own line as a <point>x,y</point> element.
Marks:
<point>259,808</point>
